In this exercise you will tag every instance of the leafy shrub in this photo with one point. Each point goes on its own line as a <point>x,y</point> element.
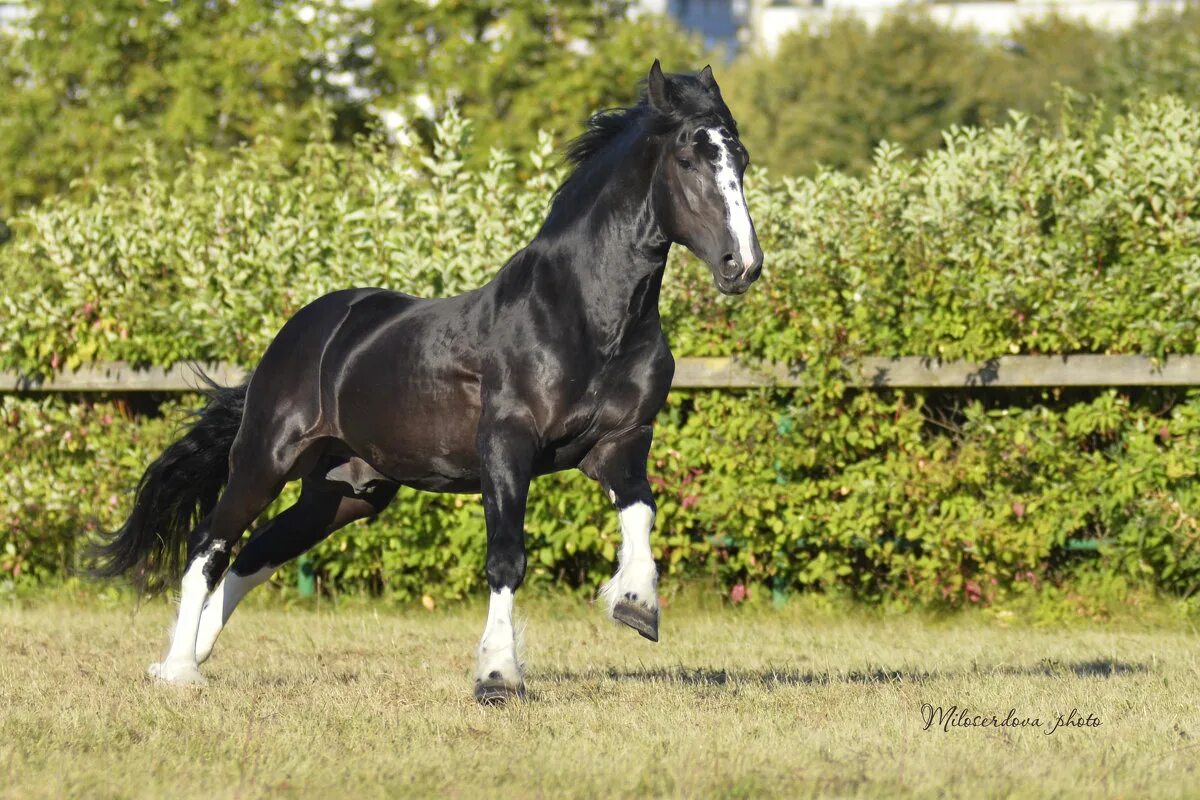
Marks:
<point>1019,239</point>
<point>1015,239</point>
<point>775,490</point>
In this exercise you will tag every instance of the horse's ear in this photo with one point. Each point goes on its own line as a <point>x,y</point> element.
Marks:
<point>707,80</point>
<point>656,88</point>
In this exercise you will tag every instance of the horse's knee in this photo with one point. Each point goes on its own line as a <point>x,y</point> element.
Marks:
<point>621,461</point>
<point>506,566</point>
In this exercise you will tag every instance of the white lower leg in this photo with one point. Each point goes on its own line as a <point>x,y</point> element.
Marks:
<point>180,664</point>
<point>497,656</point>
<point>220,605</point>
<point>636,580</point>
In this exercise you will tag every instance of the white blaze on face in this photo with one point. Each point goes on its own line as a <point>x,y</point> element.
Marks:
<point>729,184</point>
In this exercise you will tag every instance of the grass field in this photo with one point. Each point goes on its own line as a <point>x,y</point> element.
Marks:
<point>360,702</point>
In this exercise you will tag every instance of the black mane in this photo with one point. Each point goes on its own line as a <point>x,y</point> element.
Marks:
<point>688,100</point>
<point>601,128</point>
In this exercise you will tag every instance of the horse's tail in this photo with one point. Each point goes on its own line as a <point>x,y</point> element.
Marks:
<point>178,490</point>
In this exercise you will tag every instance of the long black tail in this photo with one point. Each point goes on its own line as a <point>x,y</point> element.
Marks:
<point>174,494</point>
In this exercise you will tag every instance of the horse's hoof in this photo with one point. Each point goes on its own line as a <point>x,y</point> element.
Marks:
<point>176,674</point>
<point>638,617</point>
<point>497,693</point>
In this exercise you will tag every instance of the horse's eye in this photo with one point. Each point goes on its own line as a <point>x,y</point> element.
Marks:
<point>685,163</point>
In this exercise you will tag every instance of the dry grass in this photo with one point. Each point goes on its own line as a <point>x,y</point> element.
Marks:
<point>368,703</point>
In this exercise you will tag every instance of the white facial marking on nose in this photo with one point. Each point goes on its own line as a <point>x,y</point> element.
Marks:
<point>729,184</point>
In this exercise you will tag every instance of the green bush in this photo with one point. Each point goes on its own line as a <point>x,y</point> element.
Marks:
<point>872,494</point>
<point>1025,238</point>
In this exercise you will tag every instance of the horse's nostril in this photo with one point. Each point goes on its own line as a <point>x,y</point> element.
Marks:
<point>730,268</point>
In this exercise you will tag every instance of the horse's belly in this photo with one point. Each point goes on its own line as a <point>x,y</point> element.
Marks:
<point>413,422</point>
<point>431,452</point>
<point>441,483</point>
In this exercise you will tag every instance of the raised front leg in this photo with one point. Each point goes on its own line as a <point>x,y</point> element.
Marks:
<point>619,465</point>
<point>506,452</point>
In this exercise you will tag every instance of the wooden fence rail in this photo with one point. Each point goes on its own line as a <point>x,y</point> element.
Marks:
<point>903,372</point>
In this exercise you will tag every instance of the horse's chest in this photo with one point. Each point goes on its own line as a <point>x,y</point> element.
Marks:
<point>624,394</point>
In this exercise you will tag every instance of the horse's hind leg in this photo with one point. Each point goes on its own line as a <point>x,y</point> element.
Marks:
<point>314,516</point>
<point>254,481</point>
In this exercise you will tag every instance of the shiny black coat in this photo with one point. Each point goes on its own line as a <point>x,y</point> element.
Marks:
<point>558,362</point>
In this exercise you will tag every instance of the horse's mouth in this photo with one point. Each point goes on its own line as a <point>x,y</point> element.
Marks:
<point>733,287</point>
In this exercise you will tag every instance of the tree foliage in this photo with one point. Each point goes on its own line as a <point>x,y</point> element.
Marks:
<point>515,67</point>
<point>831,94</point>
<point>86,85</point>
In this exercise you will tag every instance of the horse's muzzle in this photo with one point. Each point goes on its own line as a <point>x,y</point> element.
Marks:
<point>733,277</point>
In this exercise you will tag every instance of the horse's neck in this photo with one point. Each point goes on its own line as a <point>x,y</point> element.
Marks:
<point>616,275</point>
<point>613,252</point>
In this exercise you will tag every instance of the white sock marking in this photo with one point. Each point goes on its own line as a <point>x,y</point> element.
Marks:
<point>498,647</point>
<point>220,606</point>
<point>180,664</point>
<point>636,573</point>
<point>729,183</point>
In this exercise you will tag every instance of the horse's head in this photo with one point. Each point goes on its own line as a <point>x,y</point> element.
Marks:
<point>699,195</point>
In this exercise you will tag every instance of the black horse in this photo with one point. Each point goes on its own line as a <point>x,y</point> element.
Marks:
<point>559,362</point>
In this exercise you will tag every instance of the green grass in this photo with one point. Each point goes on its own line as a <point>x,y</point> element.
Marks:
<point>367,702</point>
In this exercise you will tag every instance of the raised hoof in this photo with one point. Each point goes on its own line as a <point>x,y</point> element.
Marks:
<point>176,674</point>
<point>638,617</point>
<point>497,693</point>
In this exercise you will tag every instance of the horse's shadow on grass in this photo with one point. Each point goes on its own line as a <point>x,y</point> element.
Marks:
<point>774,678</point>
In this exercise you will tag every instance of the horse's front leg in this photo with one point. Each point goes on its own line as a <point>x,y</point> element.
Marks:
<point>506,453</point>
<point>619,465</point>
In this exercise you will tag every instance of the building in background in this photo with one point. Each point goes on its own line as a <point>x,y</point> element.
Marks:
<point>745,24</point>
<point>720,22</point>
<point>10,11</point>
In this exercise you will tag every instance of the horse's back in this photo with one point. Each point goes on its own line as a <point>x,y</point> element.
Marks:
<point>299,346</point>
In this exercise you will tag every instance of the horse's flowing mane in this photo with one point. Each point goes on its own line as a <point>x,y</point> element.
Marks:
<point>688,99</point>
<point>601,128</point>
